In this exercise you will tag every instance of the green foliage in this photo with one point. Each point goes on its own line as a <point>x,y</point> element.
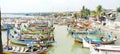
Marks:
<point>84,12</point>
<point>118,9</point>
<point>75,15</point>
<point>98,12</point>
<point>93,14</point>
<point>99,8</point>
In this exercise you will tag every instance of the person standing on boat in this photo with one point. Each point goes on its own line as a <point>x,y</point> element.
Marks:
<point>50,24</point>
<point>38,39</point>
<point>101,38</point>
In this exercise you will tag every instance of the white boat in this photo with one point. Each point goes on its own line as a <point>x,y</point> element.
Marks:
<point>92,50</point>
<point>103,47</point>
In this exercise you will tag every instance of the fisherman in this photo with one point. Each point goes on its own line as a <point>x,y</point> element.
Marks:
<point>29,48</point>
<point>68,25</point>
<point>101,38</point>
<point>48,36</point>
<point>115,38</point>
<point>53,37</point>
<point>39,40</point>
<point>10,48</point>
<point>41,36</point>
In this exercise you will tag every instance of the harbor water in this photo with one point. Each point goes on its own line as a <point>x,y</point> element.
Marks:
<point>64,43</point>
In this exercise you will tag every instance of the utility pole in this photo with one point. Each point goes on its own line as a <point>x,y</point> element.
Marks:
<point>8,31</point>
<point>1,47</point>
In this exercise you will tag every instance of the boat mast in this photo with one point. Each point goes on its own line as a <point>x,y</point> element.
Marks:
<point>1,47</point>
<point>8,31</point>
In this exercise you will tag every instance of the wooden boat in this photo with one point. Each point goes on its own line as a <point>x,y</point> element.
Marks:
<point>24,42</point>
<point>83,31</point>
<point>24,50</point>
<point>102,47</point>
<point>18,39</point>
<point>38,30</point>
<point>93,51</point>
<point>80,28</point>
<point>78,38</point>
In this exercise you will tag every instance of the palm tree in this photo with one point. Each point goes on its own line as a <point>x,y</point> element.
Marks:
<point>98,12</point>
<point>118,9</point>
<point>93,13</point>
<point>84,12</point>
<point>75,15</point>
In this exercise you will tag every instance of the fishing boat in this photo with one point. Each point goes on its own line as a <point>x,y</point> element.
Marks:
<point>82,28</point>
<point>37,28</point>
<point>78,38</point>
<point>44,30</point>
<point>20,39</point>
<point>24,50</point>
<point>93,51</point>
<point>93,31</point>
<point>101,47</point>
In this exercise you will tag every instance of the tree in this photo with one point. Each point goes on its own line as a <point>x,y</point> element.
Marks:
<point>93,13</point>
<point>118,9</point>
<point>55,15</point>
<point>75,15</point>
<point>84,12</point>
<point>98,12</point>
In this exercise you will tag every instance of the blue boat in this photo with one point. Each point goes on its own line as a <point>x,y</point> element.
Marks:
<point>25,42</point>
<point>93,40</point>
<point>83,31</point>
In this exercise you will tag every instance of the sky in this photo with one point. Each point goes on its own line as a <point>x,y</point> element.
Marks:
<point>26,6</point>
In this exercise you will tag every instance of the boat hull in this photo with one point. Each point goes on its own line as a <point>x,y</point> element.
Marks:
<point>79,39</point>
<point>83,32</point>
<point>25,42</point>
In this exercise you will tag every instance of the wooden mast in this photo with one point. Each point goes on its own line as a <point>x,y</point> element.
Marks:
<point>8,31</point>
